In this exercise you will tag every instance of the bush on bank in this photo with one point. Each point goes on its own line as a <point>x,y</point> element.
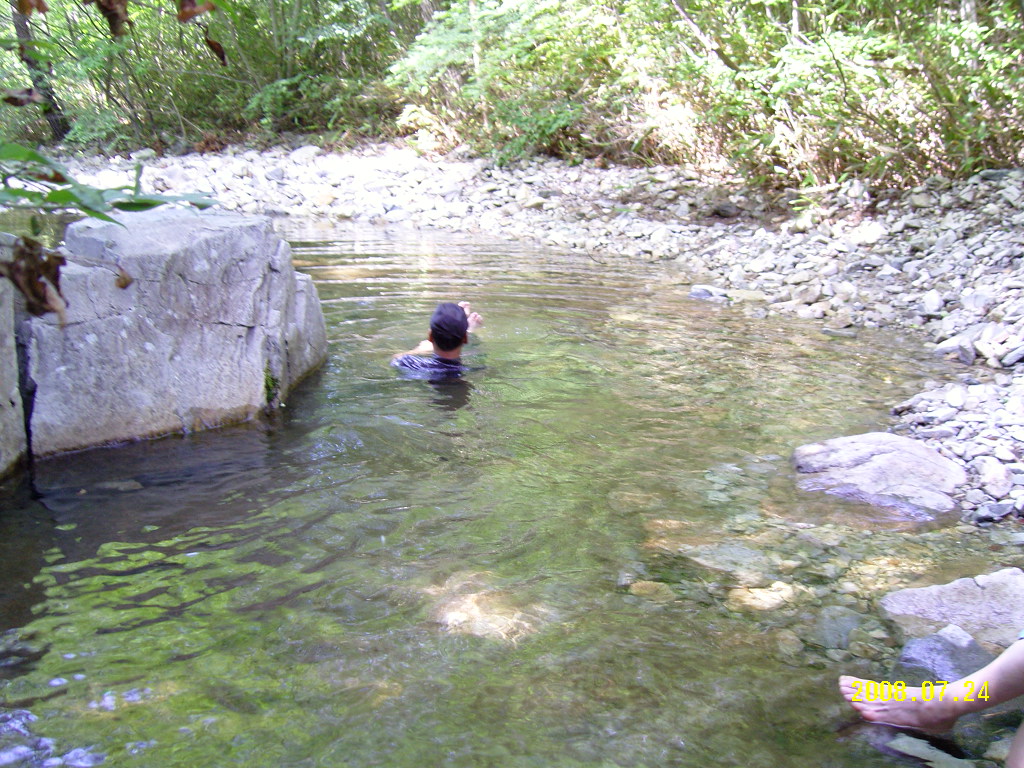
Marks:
<point>791,93</point>
<point>786,92</point>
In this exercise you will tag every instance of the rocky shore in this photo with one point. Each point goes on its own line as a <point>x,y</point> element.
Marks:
<point>944,258</point>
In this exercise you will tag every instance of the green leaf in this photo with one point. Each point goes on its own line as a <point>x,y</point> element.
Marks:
<point>200,201</point>
<point>137,204</point>
<point>98,215</point>
<point>19,154</point>
<point>14,196</point>
<point>62,197</point>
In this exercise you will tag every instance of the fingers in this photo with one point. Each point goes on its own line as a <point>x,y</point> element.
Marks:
<point>474,318</point>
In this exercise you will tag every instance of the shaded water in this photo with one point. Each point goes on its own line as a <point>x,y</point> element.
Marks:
<point>397,573</point>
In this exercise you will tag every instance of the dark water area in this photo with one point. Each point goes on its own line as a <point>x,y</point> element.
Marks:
<point>399,573</point>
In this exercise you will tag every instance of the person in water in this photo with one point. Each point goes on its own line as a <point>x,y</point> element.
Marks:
<point>439,356</point>
<point>938,709</point>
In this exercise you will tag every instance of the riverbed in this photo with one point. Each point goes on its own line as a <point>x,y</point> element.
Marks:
<point>394,572</point>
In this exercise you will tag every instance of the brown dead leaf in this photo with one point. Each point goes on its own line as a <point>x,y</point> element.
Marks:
<point>53,177</point>
<point>22,97</point>
<point>190,9</point>
<point>56,304</point>
<point>218,50</point>
<point>123,279</point>
<point>187,9</point>
<point>116,14</point>
<point>210,142</point>
<point>35,272</point>
<point>25,7</point>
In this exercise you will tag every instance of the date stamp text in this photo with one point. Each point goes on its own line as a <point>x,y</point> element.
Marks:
<point>869,690</point>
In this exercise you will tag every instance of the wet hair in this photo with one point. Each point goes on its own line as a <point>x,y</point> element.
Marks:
<point>448,326</point>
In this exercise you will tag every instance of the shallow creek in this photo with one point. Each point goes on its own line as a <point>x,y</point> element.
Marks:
<point>398,573</point>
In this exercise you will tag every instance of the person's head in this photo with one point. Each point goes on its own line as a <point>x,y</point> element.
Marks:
<point>448,327</point>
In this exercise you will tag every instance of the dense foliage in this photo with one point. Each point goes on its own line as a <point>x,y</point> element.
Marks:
<point>797,91</point>
<point>800,92</point>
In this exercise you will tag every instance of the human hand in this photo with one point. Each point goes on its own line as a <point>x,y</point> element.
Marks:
<point>474,318</point>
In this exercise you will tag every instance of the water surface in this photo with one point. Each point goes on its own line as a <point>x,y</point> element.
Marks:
<point>400,573</point>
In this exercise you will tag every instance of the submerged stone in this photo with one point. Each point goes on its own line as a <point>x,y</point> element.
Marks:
<point>908,745</point>
<point>999,750</point>
<point>744,566</point>
<point>758,599</point>
<point>657,591</point>
<point>881,469</point>
<point>16,755</point>
<point>949,654</point>
<point>467,605</point>
<point>833,626</point>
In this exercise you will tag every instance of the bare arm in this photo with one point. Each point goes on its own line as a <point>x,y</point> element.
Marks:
<point>425,347</point>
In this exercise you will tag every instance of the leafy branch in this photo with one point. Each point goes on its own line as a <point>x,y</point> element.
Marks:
<point>31,181</point>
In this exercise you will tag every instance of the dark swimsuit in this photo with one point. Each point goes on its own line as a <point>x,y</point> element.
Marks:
<point>432,368</point>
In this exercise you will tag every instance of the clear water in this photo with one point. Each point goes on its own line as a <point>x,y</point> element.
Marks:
<point>395,573</point>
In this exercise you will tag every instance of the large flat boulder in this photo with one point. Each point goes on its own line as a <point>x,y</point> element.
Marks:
<point>178,320</point>
<point>883,470</point>
<point>989,607</point>
<point>12,419</point>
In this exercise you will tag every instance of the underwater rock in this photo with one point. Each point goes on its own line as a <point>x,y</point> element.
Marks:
<point>833,626</point>
<point>881,469</point>
<point>949,654</point>
<point>19,753</point>
<point>936,758</point>
<point>468,605</point>
<point>656,591</point>
<point>769,598</point>
<point>742,566</point>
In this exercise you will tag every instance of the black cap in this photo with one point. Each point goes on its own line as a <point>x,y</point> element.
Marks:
<point>449,326</point>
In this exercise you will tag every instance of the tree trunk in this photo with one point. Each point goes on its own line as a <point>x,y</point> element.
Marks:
<point>711,45</point>
<point>40,76</point>
<point>477,54</point>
